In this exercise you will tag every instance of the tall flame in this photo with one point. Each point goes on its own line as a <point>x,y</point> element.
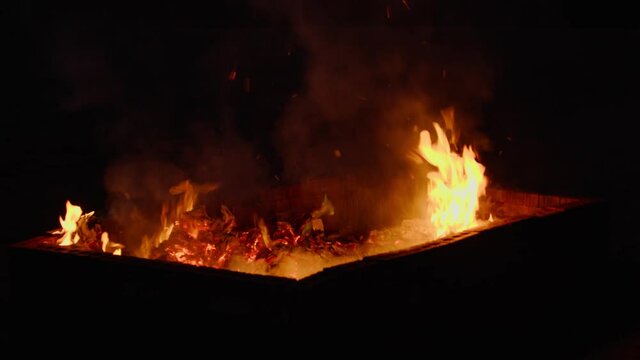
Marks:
<point>456,186</point>
<point>69,225</point>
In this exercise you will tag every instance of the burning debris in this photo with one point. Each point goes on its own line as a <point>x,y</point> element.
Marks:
<point>303,245</point>
<point>199,239</point>
<point>84,232</point>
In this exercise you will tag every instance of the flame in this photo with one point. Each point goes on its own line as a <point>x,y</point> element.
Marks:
<point>105,241</point>
<point>75,229</point>
<point>186,203</point>
<point>449,124</point>
<point>69,225</point>
<point>110,246</point>
<point>325,209</point>
<point>170,215</point>
<point>456,186</point>
<point>264,232</point>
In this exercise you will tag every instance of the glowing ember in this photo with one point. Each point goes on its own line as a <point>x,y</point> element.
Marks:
<point>456,186</point>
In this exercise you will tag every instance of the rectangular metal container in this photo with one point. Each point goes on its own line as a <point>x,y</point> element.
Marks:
<point>521,273</point>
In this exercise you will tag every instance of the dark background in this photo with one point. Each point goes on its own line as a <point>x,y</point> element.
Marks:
<point>86,84</point>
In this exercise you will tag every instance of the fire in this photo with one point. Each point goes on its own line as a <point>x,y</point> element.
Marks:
<point>110,246</point>
<point>170,215</point>
<point>69,225</point>
<point>77,231</point>
<point>264,232</point>
<point>297,244</point>
<point>456,186</point>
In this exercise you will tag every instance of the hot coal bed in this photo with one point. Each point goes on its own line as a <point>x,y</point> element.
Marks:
<point>524,271</point>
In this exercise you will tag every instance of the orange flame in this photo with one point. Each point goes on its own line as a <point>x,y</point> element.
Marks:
<point>169,216</point>
<point>456,186</point>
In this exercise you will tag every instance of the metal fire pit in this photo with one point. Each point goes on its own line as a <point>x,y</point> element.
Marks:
<point>516,274</point>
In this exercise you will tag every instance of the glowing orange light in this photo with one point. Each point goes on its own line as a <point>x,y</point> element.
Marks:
<point>456,185</point>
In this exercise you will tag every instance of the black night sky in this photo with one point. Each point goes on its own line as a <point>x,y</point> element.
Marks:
<point>550,87</point>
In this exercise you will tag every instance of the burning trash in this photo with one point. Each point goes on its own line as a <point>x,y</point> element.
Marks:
<point>298,246</point>
<point>84,232</point>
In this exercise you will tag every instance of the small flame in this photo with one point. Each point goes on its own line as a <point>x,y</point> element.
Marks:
<point>75,229</point>
<point>325,209</point>
<point>449,124</point>
<point>69,225</point>
<point>110,246</point>
<point>170,215</point>
<point>264,232</point>
<point>105,241</point>
<point>456,186</point>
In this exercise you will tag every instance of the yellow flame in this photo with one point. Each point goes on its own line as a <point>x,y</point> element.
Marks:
<point>69,225</point>
<point>264,232</point>
<point>104,238</point>
<point>456,186</point>
<point>110,246</point>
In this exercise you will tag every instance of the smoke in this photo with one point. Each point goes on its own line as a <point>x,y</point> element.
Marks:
<point>372,81</point>
<point>331,89</point>
<point>139,185</point>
